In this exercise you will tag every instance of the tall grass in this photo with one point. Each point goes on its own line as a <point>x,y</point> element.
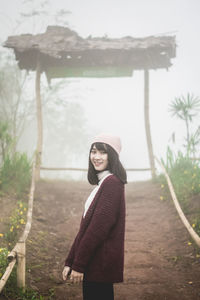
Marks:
<point>184,174</point>
<point>15,173</point>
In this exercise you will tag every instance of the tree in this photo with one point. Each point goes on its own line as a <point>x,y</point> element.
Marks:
<point>16,106</point>
<point>17,93</point>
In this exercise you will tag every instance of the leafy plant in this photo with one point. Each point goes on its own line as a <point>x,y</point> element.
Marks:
<point>196,225</point>
<point>3,260</point>
<point>15,173</point>
<point>11,291</point>
<point>16,221</point>
<point>184,174</point>
<point>194,141</point>
<point>5,139</point>
<point>183,171</point>
<point>186,108</point>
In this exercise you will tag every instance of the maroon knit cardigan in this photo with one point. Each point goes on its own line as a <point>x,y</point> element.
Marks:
<point>98,249</point>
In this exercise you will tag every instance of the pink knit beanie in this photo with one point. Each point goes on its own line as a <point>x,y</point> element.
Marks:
<point>113,141</point>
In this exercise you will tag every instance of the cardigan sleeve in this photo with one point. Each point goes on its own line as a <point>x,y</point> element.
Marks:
<point>70,257</point>
<point>104,217</point>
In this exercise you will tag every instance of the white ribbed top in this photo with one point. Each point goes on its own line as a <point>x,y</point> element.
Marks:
<point>101,176</point>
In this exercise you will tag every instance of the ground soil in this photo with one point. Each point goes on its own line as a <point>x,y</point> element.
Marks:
<point>159,262</point>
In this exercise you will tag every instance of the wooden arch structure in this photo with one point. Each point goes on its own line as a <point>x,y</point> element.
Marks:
<point>61,52</point>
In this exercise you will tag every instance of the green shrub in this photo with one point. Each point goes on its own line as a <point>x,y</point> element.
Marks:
<point>15,173</point>
<point>16,221</point>
<point>184,174</point>
<point>3,260</point>
<point>11,291</point>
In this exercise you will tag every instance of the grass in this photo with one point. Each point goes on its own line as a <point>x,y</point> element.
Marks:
<point>15,174</point>
<point>185,176</point>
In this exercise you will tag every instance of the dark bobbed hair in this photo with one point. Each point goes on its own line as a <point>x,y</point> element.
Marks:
<point>114,164</point>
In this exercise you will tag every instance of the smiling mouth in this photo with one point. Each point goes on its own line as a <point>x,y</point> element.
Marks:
<point>97,164</point>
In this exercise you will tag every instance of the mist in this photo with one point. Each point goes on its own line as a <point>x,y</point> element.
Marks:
<point>115,105</point>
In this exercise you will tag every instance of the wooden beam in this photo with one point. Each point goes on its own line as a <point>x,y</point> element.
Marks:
<point>85,170</point>
<point>147,122</point>
<point>39,120</point>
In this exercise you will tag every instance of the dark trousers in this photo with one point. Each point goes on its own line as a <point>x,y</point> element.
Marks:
<point>97,291</point>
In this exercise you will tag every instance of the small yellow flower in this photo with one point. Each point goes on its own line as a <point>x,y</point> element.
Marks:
<point>162,186</point>
<point>161,198</point>
<point>189,243</point>
<point>22,221</point>
<point>17,226</point>
<point>1,234</point>
<point>24,208</point>
<point>192,187</point>
<point>1,249</point>
<point>11,229</point>
<point>193,225</point>
<point>20,205</point>
<point>21,212</point>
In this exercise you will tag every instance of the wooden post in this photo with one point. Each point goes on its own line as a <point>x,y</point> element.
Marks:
<point>147,122</point>
<point>21,263</point>
<point>39,120</point>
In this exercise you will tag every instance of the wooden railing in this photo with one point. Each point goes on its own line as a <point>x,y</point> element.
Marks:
<point>85,170</point>
<point>18,253</point>
<point>191,231</point>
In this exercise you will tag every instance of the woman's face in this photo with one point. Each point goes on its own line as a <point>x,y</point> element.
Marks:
<point>99,159</point>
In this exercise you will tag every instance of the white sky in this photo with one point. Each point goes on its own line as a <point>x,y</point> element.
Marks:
<point>123,98</point>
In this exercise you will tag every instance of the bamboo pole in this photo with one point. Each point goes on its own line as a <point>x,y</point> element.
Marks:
<point>39,119</point>
<point>30,207</point>
<point>63,169</point>
<point>195,158</point>
<point>85,170</point>
<point>7,274</point>
<point>21,264</point>
<point>147,122</point>
<point>191,231</point>
<point>13,253</point>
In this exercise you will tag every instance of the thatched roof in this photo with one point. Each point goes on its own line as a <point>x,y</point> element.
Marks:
<point>62,52</point>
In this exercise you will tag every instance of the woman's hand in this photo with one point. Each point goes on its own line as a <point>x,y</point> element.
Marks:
<point>76,277</point>
<point>65,272</point>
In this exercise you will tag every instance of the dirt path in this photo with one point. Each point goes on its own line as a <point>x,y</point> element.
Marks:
<point>159,263</point>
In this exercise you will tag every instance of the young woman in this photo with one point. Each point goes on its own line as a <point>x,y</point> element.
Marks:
<point>97,254</point>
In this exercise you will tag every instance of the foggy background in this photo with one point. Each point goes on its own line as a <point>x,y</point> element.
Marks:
<point>114,105</point>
